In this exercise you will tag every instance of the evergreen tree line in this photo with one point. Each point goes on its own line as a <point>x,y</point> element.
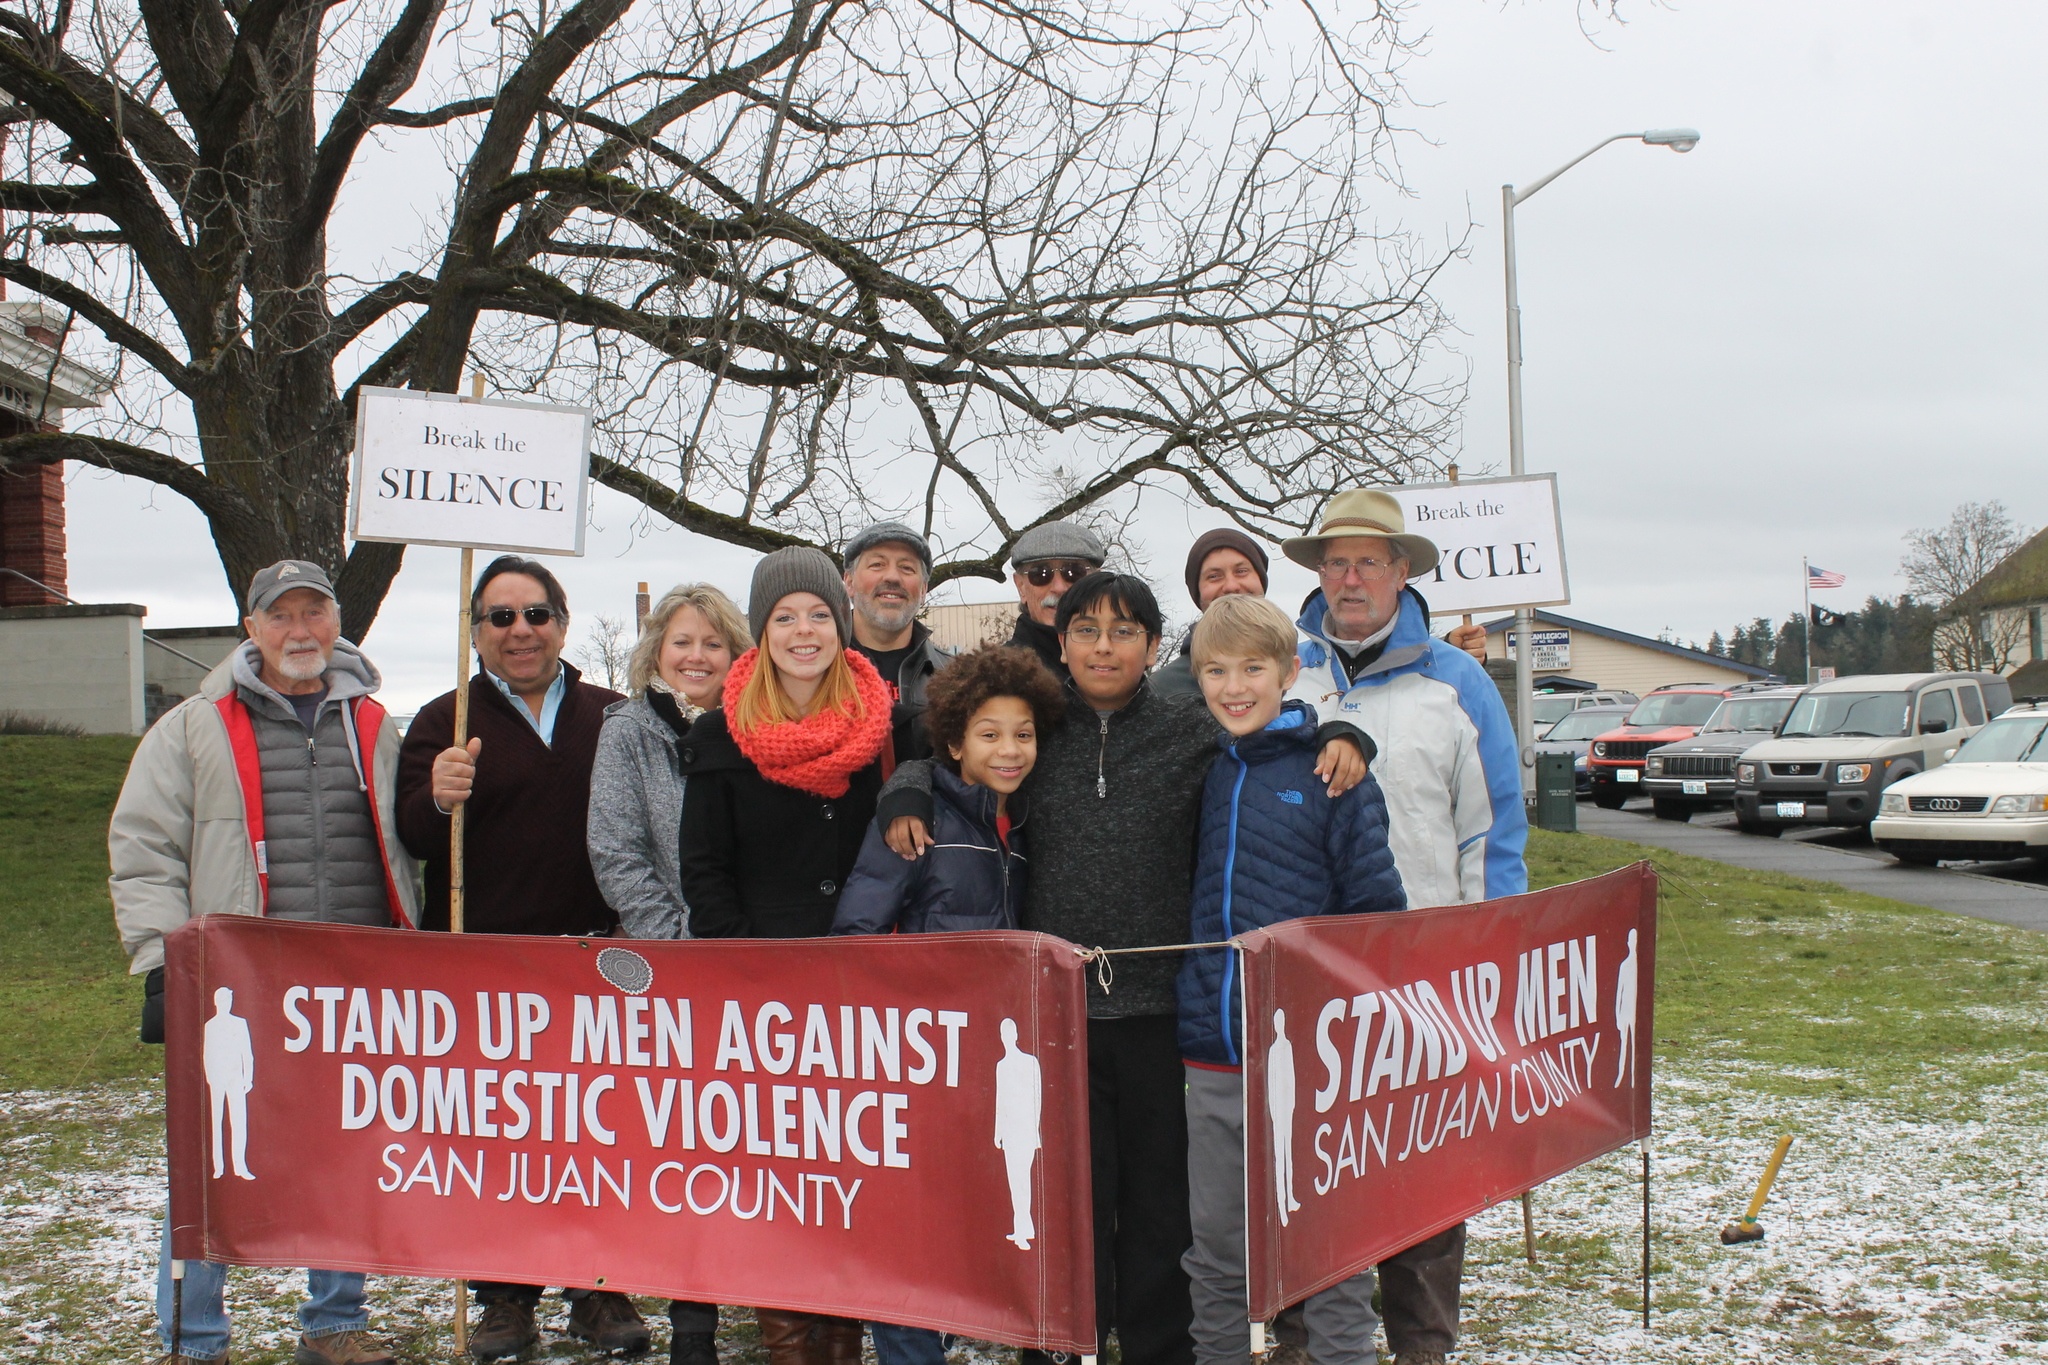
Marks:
<point>1886,636</point>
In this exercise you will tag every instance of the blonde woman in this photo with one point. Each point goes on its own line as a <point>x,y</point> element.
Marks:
<point>783,782</point>
<point>676,674</point>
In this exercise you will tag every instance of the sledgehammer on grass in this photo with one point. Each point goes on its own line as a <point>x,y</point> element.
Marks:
<point>1749,1230</point>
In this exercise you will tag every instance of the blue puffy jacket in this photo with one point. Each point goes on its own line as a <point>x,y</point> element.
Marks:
<point>1274,847</point>
<point>966,880</point>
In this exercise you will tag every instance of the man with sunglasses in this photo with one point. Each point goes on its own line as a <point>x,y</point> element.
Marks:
<point>1447,766</point>
<point>1046,561</point>
<point>525,778</point>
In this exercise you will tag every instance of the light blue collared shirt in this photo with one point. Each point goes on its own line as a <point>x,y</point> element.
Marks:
<point>544,723</point>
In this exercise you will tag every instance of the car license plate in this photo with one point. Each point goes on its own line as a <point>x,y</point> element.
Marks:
<point>1791,810</point>
<point>1627,775</point>
<point>1693,788</point>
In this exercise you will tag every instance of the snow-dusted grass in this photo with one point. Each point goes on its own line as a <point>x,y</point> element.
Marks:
<point>1903,1048</point>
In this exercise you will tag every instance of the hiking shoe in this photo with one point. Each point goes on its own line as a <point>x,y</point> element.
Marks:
<point>609,1322</point>
<point>341,1348</point>
<point>692,1348</point>
<point>1419,1358</point>
<point>1287,1353</point>
<point>505,1330</point>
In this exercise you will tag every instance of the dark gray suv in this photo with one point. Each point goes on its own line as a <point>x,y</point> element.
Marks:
<point>1699,773</point>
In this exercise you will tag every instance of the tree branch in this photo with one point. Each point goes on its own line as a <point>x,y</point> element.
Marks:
<point>187,480</point>
<point>116,328</point>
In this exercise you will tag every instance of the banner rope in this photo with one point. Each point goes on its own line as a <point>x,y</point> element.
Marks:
<point>1105,974</point>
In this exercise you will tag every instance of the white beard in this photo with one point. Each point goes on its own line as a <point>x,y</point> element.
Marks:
<point>303,665</point>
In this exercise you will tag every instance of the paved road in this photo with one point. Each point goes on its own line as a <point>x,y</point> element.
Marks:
<point>2017,898</point>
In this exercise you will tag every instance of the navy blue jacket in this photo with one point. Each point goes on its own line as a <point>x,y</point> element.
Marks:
<point>1273,848</point>
<point>964,881</point>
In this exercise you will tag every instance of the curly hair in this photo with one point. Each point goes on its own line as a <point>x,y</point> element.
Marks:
<point>960,689</point>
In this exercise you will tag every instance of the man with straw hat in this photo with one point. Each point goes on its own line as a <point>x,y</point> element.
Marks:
<point>1447,764</point>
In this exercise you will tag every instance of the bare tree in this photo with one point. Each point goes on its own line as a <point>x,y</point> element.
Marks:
<point>606,652</point>
<point>810,261</point>
<point>1944,562</point>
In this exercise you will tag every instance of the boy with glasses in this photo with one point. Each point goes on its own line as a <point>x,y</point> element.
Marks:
<point>1116,802</point>
<point>1047,561</point>
<point>525,776</point>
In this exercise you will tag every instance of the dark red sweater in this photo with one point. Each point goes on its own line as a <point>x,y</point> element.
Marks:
<point>525,859</point>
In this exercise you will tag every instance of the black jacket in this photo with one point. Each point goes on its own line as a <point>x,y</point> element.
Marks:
<point>966,880</point>
<point>761,860</point>
<point>906,713</point>
<point>1043,641</point>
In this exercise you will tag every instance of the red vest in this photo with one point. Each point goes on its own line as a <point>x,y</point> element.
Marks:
<point>368,718</point>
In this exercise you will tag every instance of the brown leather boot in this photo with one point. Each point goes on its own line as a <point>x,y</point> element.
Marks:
<point>788,1337</point>
<point>841,1340</point>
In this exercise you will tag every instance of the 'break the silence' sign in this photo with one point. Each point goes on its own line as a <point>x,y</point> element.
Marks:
<point>1501,541</point>
<point>435,469</point>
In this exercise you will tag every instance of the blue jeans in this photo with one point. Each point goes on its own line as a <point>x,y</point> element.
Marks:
<point>907,1345</point>
<point>334,1303</point>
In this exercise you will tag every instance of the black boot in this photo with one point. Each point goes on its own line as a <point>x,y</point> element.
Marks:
<point>692,1348</point>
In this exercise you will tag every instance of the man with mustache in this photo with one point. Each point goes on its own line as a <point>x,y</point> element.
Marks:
<point>1047,561</point>
<point>887,571</point>
<point>269,793</point>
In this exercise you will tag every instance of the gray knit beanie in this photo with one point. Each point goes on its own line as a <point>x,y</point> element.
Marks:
<point>798,568</point>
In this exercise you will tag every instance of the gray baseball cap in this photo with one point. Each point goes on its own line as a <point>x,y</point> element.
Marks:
<point>887,533</point>
<point>1058,540</point>
<point>280,578</point>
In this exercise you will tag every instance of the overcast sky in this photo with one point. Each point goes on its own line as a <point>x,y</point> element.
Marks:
<point>1818,330</point>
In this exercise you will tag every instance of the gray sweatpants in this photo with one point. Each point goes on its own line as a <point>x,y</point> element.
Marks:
<point>1340,1320</point>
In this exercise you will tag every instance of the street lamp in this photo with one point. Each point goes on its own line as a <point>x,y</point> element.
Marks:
<point>1678,140</point>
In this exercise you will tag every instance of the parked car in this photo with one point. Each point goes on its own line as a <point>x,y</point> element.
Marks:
<point>1671,713</point>
<point>1990,801</point>
<point>1574,735</point>
<point>1547,708</point>
<point>1699,773</point>
<point>1848,740</point>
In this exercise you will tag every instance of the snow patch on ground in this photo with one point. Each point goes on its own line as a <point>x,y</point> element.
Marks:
<point>1890,1238</point>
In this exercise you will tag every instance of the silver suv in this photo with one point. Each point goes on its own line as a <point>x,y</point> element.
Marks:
<point>1698,773</point>
<point>1847,740</point>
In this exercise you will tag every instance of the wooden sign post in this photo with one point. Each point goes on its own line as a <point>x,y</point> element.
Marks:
<point>491,475</point>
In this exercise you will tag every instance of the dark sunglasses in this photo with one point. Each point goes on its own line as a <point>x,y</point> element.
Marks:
<point>503,617</point>
<point>1041,574</point>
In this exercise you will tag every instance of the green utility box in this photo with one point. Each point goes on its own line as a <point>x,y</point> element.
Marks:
<point>1557,796</point>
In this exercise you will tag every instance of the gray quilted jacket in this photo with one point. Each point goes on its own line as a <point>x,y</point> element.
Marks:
<point>636,817</point>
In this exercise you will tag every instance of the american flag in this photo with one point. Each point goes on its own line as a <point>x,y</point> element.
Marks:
<point>1823,578</point>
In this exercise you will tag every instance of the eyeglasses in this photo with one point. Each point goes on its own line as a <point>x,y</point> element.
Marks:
<point>1041,574</point>
<point>1368,570</point>
<point>503,617</point>
<point>1118,635</point>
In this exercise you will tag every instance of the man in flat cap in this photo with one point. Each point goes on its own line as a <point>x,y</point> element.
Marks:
<point>1046,561</point>
<point>888,570</point>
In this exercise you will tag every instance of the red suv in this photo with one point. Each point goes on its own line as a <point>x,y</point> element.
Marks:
<point>1666,716</point>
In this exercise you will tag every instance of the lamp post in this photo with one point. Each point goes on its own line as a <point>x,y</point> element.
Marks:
<point>1678,140</point>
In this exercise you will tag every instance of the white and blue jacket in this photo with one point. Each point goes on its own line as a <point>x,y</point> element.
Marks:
<point>1446,757</point>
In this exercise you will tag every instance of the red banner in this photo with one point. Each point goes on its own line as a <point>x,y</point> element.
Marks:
<point>1404,1072</point>
<point>889,1128</point>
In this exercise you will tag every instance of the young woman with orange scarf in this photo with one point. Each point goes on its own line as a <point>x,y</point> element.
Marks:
<point>781,786</point>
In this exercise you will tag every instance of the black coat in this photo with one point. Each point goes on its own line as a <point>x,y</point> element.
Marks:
<point>761,860</point>
<point>1043,641</point>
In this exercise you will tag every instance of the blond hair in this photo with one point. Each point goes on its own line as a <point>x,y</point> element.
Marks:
<point>1241,625</point>
<point>718,612</point>
<point>764,700</point>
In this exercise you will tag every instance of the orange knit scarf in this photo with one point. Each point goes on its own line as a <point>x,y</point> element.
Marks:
<point>820,753</point>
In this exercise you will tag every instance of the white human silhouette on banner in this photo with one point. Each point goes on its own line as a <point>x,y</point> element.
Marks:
<point>1625,1014</point>
<point>1020,1095</point>
<point>230,1061</point>
<point>1280,1112</point>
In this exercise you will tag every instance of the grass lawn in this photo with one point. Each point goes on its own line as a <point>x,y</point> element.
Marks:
<point>1902,1047</point>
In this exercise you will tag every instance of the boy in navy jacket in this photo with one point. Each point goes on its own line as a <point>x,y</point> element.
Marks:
<point>986,710</point>
<point>1267,852</point>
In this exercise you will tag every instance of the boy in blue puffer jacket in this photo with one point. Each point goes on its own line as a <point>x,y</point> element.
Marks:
<point>986,711</point>
<point>1268,852</point>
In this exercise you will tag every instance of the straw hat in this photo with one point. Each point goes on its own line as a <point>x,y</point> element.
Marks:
<point>1363,512</point>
